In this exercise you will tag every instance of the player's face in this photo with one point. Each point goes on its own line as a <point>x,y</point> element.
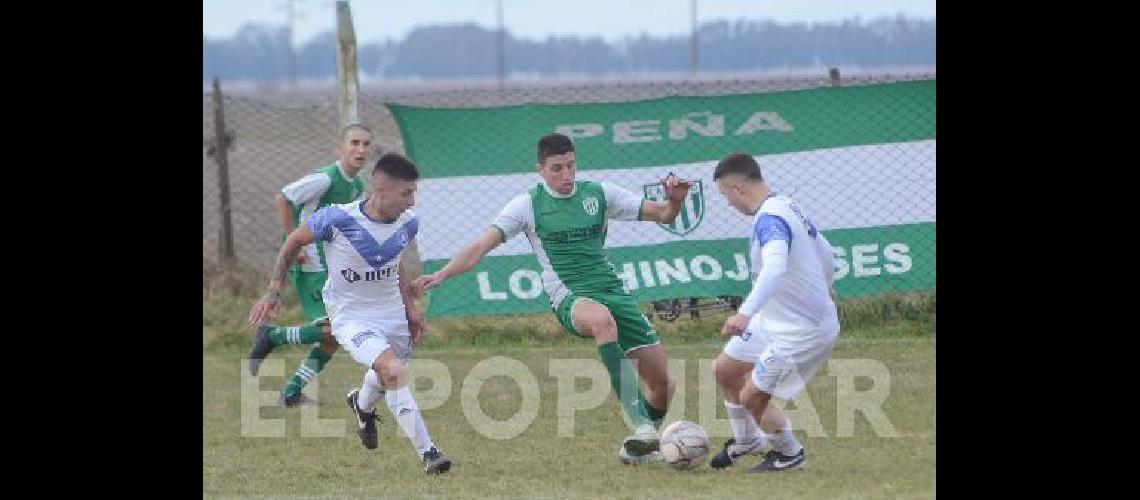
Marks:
<point>354,147</point>
<point>558,172</point>
<point>732,189</point>
<point>395,195</point>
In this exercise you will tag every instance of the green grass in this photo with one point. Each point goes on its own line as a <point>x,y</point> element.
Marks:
<point>537,463</point>
<point>895,330</point>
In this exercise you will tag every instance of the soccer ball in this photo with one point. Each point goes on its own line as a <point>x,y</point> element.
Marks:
<point>684,444</point>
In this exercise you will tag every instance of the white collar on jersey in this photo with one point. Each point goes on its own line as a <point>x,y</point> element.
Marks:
<point>340,168</point>
<point>766,198</point>
<point>556,194</point>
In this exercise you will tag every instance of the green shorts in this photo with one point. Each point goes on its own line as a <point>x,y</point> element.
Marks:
<point>309,286</point>
<point>633,328</point>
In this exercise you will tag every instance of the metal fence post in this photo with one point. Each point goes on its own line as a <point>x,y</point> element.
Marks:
<point>225,237</point>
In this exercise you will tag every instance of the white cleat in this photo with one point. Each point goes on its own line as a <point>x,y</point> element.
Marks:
<point>643,441</point>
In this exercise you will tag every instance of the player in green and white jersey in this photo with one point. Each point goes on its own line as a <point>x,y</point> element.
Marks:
<point>333,184</point>
<point>565,222</point>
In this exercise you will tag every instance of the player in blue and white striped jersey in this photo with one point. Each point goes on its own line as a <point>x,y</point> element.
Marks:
<point>368,297</point>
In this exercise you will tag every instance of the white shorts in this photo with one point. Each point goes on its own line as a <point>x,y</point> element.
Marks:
<point>366,338</point>
<point>783,368</point>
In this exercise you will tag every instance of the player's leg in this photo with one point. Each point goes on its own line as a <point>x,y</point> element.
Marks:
<point>386,357</point>
<point>731,368</point>
<point>589,318</point>
<point>783,370</point>
<point>309,288</point>
<point>653,368</point>
<point>730,373</point>
<point>362,403</point>
<point>641,343</point>
<point>787,453</point>
<point>392,372</point>
<point>267,337</point>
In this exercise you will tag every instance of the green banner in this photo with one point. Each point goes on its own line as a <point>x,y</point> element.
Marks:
<point>448,142</point>
<point>868,261</point>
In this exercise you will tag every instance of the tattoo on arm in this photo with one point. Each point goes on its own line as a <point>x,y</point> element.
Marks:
<point>287,254</point>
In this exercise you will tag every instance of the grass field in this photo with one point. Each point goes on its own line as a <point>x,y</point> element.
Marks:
<point>858,463</point>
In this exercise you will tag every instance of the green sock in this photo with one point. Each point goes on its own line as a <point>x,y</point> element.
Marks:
<point>296,334</point>
<point>623,379</point>
<point>655,415</point>
<point>309,368</point>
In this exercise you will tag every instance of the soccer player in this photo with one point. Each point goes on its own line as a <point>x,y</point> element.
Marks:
<point>786,326</point>
<point>368,297</point>
<point>327,185</point>
<point>565,222</point>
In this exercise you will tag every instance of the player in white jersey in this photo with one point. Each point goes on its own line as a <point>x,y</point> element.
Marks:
<point>786,327</point>
<point>368,298</point>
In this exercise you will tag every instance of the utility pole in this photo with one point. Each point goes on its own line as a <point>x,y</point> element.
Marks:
<point>500,56</point>
<point>693,38</point>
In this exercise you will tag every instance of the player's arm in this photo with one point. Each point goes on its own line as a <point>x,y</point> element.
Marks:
<point>774,256</point>
<point>826,255</point>
<point>465,260</point>
<point>407,294</point>
<point>269,303</point>
<point>666,211</point>
<point>774,236</point>
<point>284,213</point>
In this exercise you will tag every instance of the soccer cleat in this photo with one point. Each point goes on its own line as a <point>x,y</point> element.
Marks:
<point>732,452</point>
<point>648,458</point>
<point>366,421</point>
<point>435,462</point>
<point>261,347</point>
<point>776,461</point>
<point>643,440</point>
<point>299,399</point>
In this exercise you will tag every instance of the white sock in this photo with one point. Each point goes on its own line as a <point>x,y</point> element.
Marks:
<point>744,428</point>
<point>403,407</point>
<point>785,441</point>
<point>370,392</point>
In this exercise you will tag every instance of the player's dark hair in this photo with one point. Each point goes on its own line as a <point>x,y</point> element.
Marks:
<point>738,164</point>
<point>394,165</point>
<point>553,144</point>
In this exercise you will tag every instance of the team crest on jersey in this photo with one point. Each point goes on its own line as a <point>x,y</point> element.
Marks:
<point>590,205</point>
<point>692,212</point>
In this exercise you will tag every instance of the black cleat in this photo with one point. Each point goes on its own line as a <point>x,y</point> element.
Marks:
<point>732,452</point>
<point>366,421</point>
<point>261,347</point>
<point>299,399</point>
<point>435,462</point>
<point>776,461</point>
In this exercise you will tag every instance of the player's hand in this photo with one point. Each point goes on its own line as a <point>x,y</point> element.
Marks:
<point>426,282</point>
<point>301,258</point>
<point>675,188</point>
<point>734,325</point>
<point>416,326</point>
<point>266,307</point>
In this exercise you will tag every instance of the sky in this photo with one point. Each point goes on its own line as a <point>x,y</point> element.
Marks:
<point>379,20</point>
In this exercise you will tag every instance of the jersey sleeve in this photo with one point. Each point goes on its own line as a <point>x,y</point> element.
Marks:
<point>516,216</point>
<point>308,188</point>
<point>322,221</point>
<point>621,203</point>
<point>770,227</point>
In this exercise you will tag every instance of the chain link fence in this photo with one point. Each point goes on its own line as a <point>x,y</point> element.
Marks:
<point>857,153</point>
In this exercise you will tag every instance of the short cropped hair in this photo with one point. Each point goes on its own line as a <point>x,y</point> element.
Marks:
<point>394,165</point>
<point>738,164</point>
<point>553,144</point>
